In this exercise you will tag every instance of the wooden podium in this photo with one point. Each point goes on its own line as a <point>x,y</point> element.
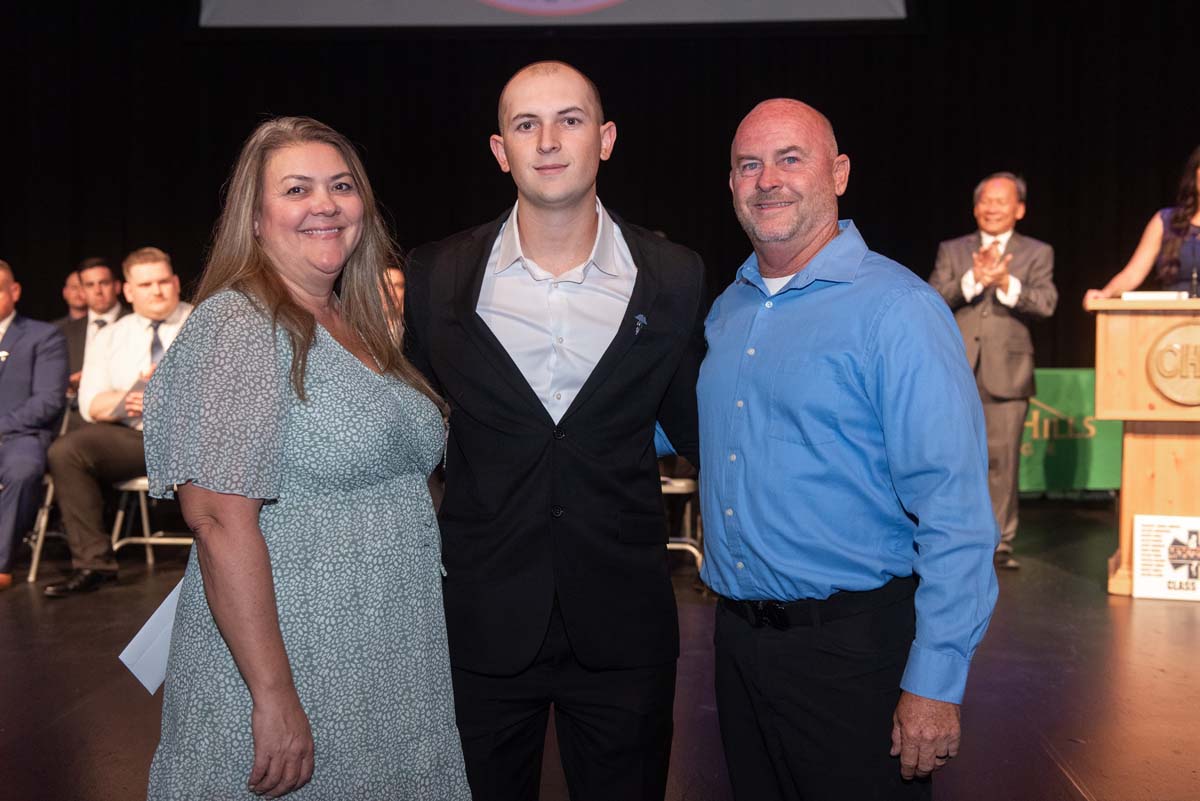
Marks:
<point>1148,375</point>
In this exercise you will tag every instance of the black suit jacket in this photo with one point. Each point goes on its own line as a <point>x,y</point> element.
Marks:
<point>534,510</point>
<point>76,333</point>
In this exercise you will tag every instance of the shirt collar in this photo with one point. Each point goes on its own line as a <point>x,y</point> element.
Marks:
<point>603,255</point>
<point>109,316</point>
<point>172,318</point>
<point>836,262</point>
<point>986,240</point>
<point>6,322</point>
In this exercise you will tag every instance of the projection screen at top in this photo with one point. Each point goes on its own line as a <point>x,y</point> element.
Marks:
<point>441,13</point>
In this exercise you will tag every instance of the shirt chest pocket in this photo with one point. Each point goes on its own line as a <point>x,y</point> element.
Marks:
<point>806,394</point>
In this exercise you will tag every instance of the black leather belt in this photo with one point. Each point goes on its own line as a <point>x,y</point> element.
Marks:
<point>813,612</point>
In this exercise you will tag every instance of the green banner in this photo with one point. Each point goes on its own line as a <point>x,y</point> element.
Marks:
<point>1064,446</point>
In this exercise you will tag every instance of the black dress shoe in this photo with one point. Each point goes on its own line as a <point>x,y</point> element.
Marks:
<point>80,581</point>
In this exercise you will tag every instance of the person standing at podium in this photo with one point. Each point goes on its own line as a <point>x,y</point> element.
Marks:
<point>996,282</point>
<point>1170,245</point>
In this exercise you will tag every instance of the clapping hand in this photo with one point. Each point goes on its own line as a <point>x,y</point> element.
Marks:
<point>991,269</point>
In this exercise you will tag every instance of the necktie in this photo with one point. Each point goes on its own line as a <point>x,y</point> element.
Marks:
<point>156,345</point>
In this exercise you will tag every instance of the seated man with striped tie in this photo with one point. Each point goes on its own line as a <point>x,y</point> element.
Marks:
<point>116,366</point>
<point>100,289</point>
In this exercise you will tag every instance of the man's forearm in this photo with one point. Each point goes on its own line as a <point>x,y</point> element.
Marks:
<point>103,407</point>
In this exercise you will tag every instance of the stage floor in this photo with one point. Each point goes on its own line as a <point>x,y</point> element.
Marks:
<point>1074,694</point>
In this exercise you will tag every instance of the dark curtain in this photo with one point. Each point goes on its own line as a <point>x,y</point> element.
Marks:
<point>121,121</point>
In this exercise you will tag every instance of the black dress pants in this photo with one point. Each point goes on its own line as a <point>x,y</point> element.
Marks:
<point>806,712</point>
<point>85,463</point>
<point>614,726</point>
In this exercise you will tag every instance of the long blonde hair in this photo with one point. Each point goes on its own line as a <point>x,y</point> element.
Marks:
<point>237,259</point>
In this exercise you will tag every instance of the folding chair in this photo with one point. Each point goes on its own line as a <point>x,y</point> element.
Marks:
<point>140,487</point>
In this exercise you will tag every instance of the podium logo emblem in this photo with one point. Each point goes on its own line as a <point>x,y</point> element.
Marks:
<point>1173,364</point>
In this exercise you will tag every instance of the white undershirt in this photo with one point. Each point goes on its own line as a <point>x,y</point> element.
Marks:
<point>776,284</point>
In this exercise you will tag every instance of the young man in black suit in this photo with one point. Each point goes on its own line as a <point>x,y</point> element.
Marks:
<point>559,333</point>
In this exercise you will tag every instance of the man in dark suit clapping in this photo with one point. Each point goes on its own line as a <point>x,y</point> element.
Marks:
<point>558,333</point>
<point>33,383</point>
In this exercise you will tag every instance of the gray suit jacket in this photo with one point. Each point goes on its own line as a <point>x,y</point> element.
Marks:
<point>999,346</point>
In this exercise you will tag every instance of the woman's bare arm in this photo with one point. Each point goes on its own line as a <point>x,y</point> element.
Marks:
<point>236,568</point>
<point>1139,266</point>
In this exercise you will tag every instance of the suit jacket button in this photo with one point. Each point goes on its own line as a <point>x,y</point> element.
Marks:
<point>560,434</point>
<point>557,511</point>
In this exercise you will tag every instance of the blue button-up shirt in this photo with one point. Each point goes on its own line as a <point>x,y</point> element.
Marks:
<point>843,444</point>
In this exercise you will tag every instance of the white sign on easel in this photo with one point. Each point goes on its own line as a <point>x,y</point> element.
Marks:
<point>1166,557</point>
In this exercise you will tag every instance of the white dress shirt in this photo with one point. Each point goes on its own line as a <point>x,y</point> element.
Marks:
<point>972,288</point>
<point>109,317</point>
<point>6,322</point>
<point>556,329</point>
<point>120,355</point>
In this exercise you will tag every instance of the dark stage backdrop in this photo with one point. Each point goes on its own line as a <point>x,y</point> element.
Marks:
<point>121,120</point>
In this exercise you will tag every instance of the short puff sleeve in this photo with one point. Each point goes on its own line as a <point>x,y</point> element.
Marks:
<point>215,407</point>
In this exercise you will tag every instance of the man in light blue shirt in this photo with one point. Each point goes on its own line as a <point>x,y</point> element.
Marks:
<point>843,455</point>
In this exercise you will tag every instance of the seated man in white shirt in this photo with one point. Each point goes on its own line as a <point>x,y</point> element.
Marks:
<point>116,365</point>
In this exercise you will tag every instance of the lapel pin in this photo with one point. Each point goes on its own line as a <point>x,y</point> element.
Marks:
<point>3,355</point>
<point>639,324</point>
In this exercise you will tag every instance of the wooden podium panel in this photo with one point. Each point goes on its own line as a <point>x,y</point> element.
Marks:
<point>1160,474</point>
<point>1148,374</point>
<point>1128,365</point>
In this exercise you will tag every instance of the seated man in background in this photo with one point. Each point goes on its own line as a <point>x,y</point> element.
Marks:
<point>33,383</point>
<point>395,280</point>
<point>100,290</point>
<point>116,367</point>
<point>72,295</point>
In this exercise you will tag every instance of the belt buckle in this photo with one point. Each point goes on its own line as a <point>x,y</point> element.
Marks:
<point>771,613</point>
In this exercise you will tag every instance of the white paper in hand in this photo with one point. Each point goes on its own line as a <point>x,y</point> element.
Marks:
<point>146,654</point>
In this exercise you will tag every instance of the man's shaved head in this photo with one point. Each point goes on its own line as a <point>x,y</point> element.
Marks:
<point>552,135</point>
<point>548,68</point>
<point>786,108</point>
